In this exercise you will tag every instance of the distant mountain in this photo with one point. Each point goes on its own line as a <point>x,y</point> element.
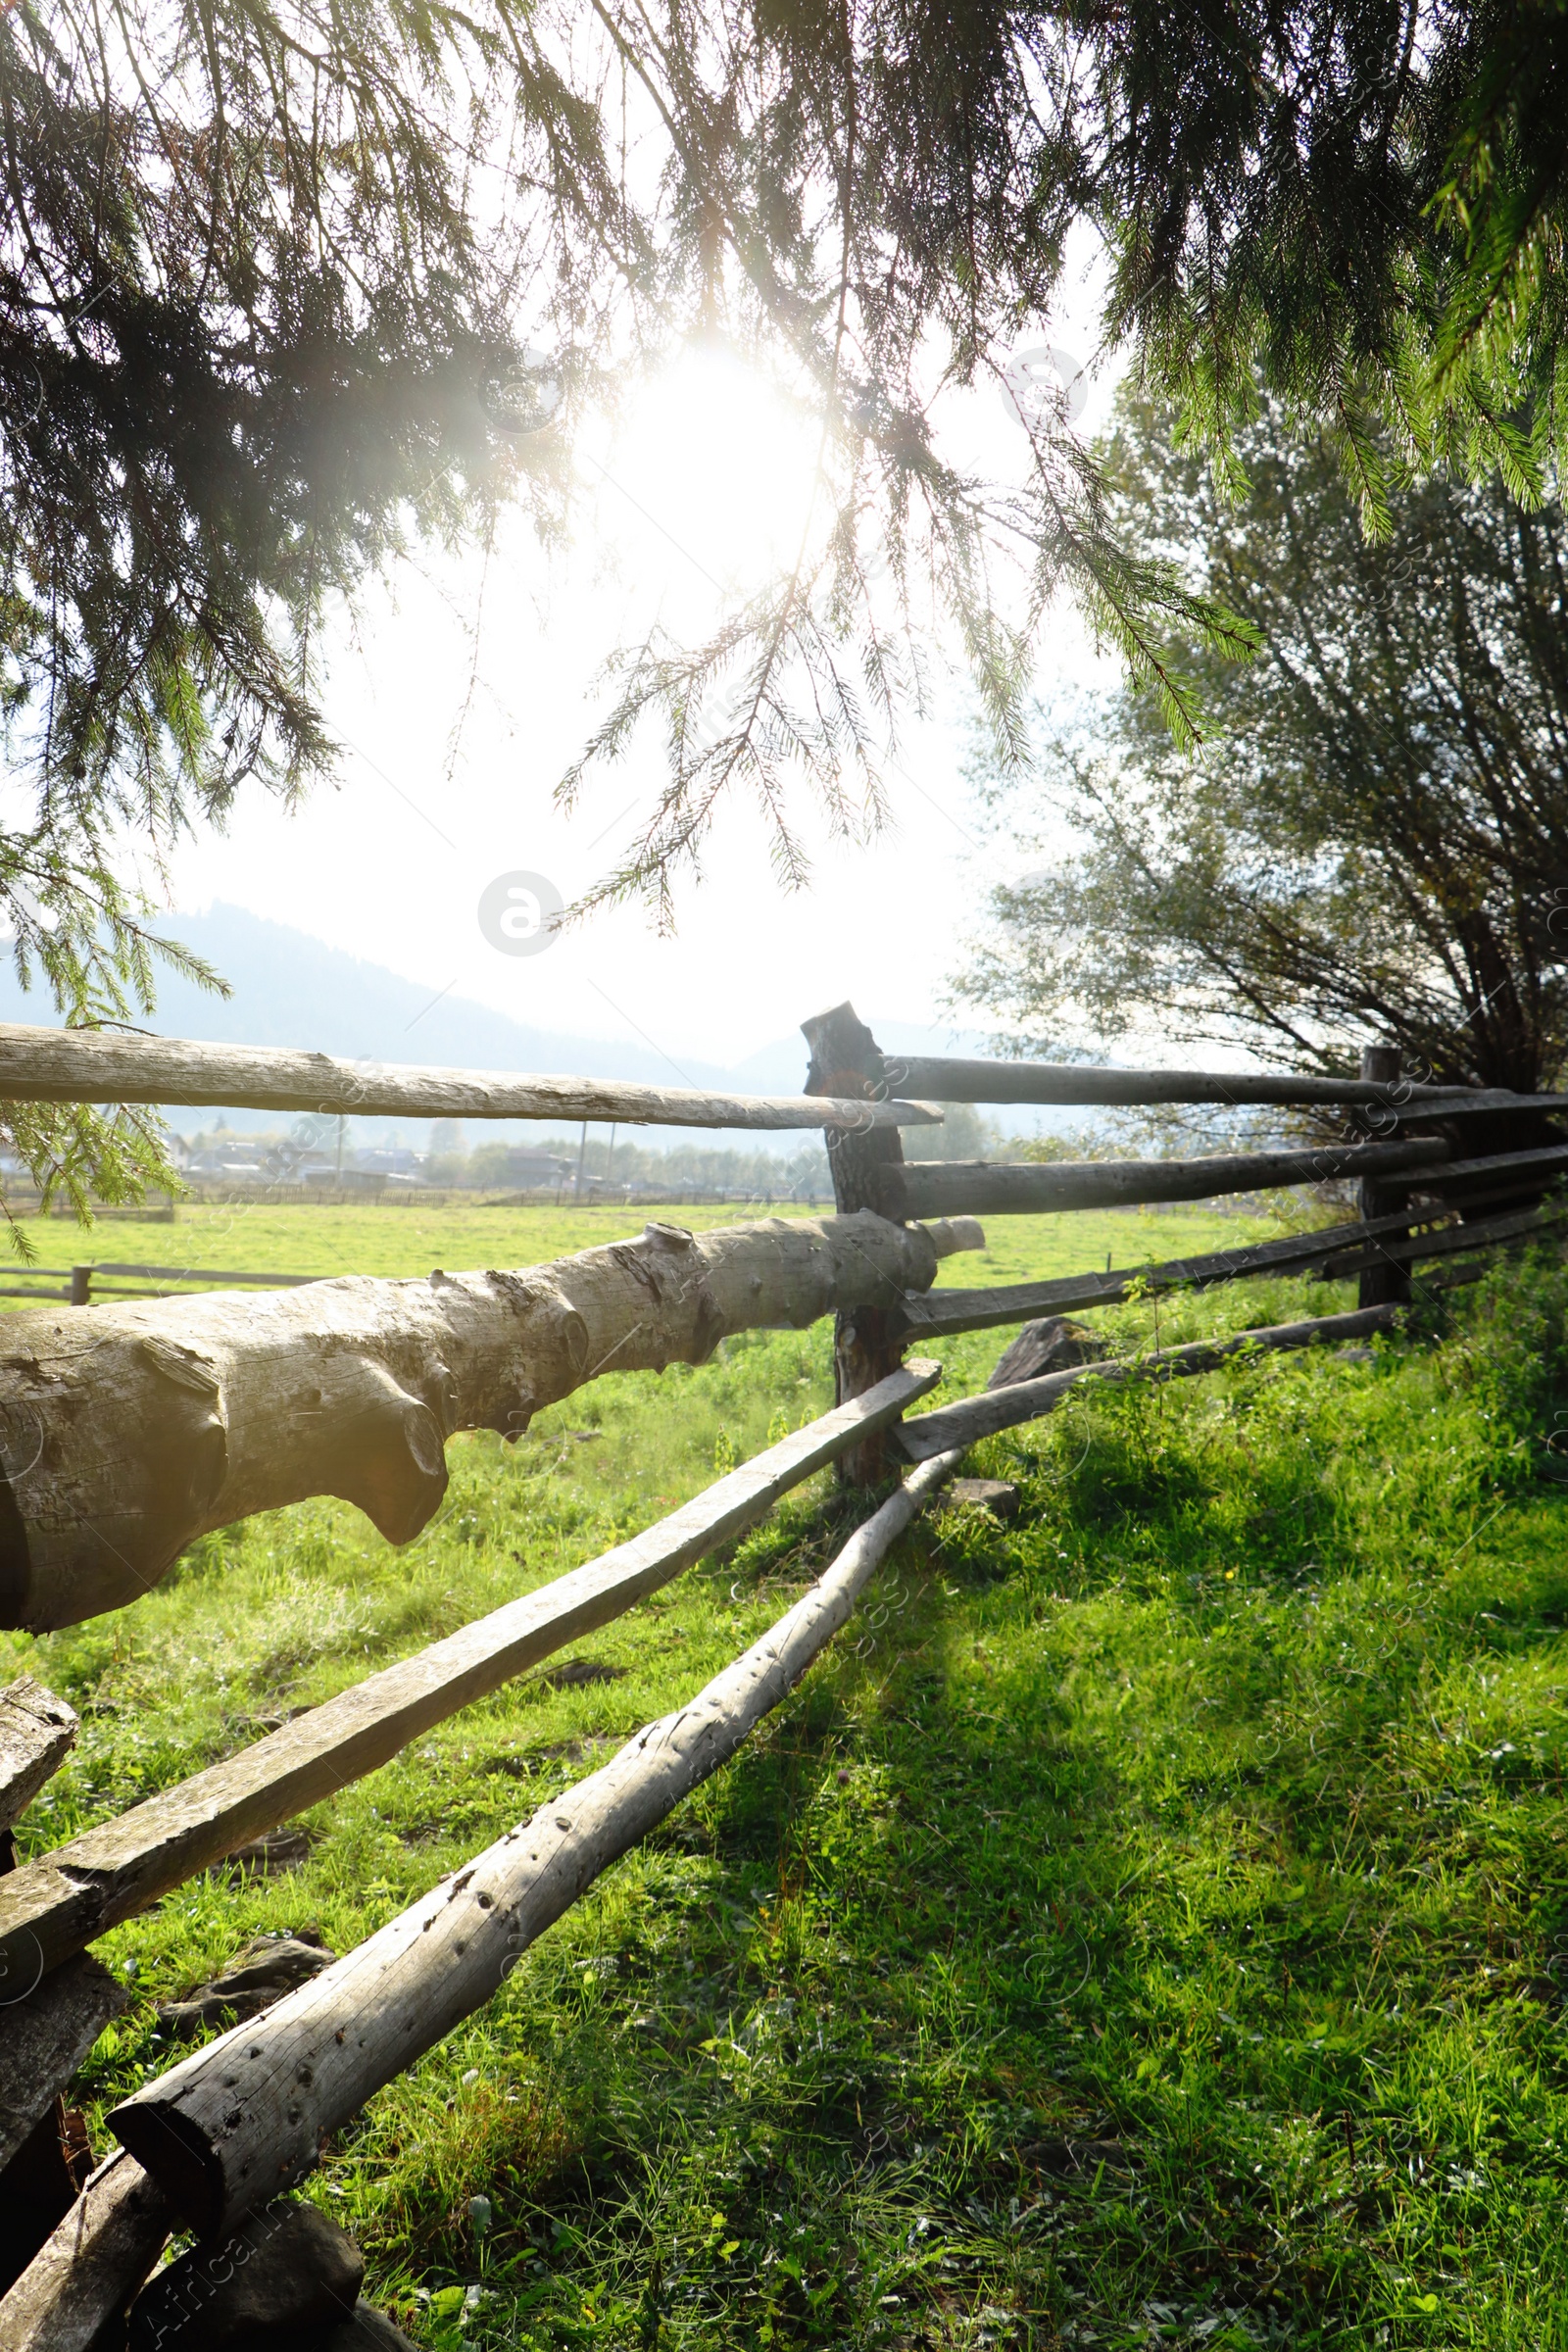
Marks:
<point>291,989</point>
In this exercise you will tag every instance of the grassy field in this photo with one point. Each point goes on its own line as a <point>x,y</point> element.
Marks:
<point>1147,1926</point>
<point>408,1240</point>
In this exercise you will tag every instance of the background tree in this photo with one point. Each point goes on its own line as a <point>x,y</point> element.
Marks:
<point>1375,839</point>
<point>270,277</point>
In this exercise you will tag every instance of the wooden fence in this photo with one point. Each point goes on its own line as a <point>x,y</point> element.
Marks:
<point>130,1427</point>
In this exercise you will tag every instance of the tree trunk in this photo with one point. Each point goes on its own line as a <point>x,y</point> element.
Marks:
<point>129,1430</point>
<point>246,2116</point>
<point>59,1901</point>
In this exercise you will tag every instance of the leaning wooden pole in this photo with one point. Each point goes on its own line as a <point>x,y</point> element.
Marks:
<point>971,1418</point>
<point>60,1900</point>
<point>131,1429</point>
<point>248,2115</point>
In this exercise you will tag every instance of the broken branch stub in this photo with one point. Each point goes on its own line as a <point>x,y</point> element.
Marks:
<point>131,1429</point>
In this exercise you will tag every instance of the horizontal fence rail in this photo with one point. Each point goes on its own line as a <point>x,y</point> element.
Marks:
<point>981,1188</point>
<point>50,1907</point>
<point>962,1424</point>
<point>246,2116</point>
<point>95,1065</point>
<point>86,1281</point>
<point>129,1429</point>
<point>936,1078</point>
<point>1325,1255</point>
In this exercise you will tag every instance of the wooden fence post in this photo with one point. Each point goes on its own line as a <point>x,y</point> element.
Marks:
<point>1388,1282</point>
<point>846,1061</point>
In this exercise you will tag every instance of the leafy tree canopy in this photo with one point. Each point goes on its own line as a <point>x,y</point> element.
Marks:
<point>270,276</point>
<point>1376,840</point>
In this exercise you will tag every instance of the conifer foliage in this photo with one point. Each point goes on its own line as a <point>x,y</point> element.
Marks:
<point>284,286</point>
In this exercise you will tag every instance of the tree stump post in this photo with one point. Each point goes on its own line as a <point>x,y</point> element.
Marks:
<point>846,1061</point>
<point>1388,1282</point>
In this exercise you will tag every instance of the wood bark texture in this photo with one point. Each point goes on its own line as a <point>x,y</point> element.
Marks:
<point>939,1188</point>
<point>1384,1279</point>
<point>846,1061</point>
<point>59,1901</point>
<point>944,1312</point>
<point>971,1418</point>
<point>44,2037</point>
<point>36,1731</point>
<point>230,2127</point>
<point>93,2264</point>
<point>1462,1177</point>
<point>938,1078</point>
<point>1479,1232</point>
<point>102,1065</point>
<point>129,1430</point>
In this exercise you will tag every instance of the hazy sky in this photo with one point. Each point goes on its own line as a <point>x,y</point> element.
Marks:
<point>391,862</point>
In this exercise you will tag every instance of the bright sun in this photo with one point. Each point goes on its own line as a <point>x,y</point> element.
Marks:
<point>711,476</point>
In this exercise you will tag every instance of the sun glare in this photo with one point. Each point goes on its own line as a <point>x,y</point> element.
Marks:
<point>709,476</point>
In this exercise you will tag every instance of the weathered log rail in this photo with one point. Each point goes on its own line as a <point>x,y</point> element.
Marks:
<point>131,1429</point>
<point>102,1065</point>
<point>53,1906</point>
<point>985,1187</point>
<point>127,1430</point>
<point>247,2115</point>
<point>938,1079</point>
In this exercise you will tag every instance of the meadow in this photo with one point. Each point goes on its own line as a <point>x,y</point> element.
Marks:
<point>1147,1926</point>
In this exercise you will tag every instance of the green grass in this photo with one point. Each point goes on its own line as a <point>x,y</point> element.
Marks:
<point>1147,1926</point>
<point>403,1238</point>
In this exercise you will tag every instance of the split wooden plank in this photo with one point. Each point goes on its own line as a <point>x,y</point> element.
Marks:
<point>59,1901</point>
<point>88,2271</point>
<point>941,1078</point>
<point>133,1429</point>
<point>980,1188</point>
<point>247,2115</point>
<point>964,1423</point>
<point>45,2033</point>
<point>105,1065</point>
<point>37,1731</point>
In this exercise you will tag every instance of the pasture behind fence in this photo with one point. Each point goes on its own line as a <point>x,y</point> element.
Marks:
<point>1430,1199</point>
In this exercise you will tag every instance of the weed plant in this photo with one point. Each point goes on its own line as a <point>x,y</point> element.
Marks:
<point>1147,1926</point>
